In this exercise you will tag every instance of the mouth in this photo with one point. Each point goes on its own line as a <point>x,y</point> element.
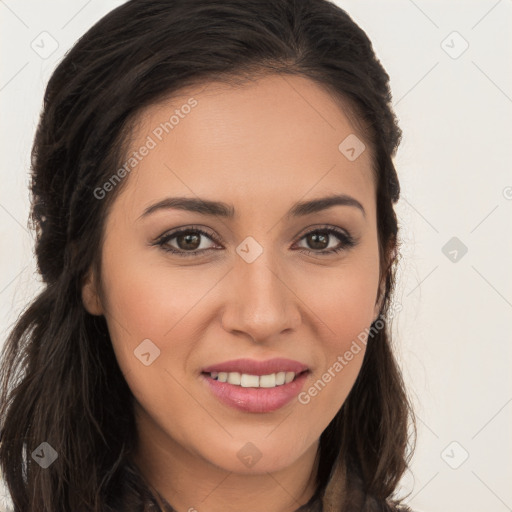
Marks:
<point>256,368</point>
<point>247,380</point>
<point>249,393</point>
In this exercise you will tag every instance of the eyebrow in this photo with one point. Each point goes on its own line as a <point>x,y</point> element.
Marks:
<point>217,208</point>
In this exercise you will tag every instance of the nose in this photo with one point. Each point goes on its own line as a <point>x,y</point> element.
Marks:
<point>261,303</point>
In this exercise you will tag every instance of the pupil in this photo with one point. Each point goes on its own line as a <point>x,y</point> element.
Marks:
<point>315,237</point>
<point>188,238</point>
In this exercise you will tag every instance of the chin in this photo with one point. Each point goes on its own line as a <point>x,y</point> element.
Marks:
<point>254,458</point>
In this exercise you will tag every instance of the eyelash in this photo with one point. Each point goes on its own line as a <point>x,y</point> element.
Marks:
<point>347,241</point>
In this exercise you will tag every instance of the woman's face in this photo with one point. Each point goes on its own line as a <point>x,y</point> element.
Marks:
<point>248,288</point>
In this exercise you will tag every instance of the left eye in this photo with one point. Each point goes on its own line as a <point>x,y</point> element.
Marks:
<point>189,241</point>
<point>321,236</point>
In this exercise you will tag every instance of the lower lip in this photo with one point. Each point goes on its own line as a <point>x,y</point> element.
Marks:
<point>256,399</point>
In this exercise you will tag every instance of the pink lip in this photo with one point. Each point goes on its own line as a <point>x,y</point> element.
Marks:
<point>254,367</point>
<point>258,400</point>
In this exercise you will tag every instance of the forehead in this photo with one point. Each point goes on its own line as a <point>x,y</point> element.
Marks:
<point>274,139</point>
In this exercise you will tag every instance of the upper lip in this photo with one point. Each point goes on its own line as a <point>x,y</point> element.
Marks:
<point>254,367</point>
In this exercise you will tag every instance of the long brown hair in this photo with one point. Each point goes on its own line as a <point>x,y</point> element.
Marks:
<point>60,381</point>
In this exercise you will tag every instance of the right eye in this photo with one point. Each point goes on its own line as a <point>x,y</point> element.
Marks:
<point>188,238</point>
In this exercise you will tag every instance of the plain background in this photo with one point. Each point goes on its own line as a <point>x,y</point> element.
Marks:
<point>454,106</point>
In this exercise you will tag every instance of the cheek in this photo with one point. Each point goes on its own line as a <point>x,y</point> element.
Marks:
<point>329,386</point>
<point>343,298</point>
<point>344,307</point>
<point>146,300</point>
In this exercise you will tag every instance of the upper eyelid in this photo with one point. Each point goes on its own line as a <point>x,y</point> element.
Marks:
<point>203,231</point>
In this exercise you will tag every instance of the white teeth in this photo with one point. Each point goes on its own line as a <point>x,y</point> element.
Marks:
<point>268,381</point>
<point>234,378</point>
<point>289,377</point>
<point>254,381</point>
<point>249,381</point>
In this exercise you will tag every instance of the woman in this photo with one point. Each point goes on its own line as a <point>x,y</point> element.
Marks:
<point>213,193</point>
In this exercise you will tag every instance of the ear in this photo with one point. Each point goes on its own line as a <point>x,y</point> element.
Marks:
<point>382,286</point>
<point>90,297</point>
<point>379,301</point>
